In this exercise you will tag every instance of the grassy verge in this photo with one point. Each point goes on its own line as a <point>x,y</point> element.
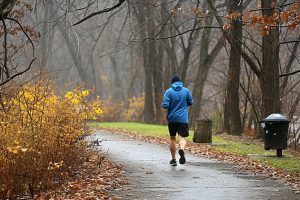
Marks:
<point>288,162</point>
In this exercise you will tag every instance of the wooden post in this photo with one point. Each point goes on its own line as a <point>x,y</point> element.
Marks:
<point>202,132</point>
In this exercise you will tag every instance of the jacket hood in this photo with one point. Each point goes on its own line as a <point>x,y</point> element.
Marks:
<point>177,86</point>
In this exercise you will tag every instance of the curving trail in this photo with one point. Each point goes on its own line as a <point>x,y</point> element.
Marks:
<point>150,176</point>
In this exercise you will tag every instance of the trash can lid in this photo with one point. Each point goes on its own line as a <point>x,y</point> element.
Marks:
<point>276,117</point>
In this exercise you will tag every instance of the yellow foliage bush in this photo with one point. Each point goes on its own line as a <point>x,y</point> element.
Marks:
<point>112,111</point>
<point>128,110</point>
<point>134,109</point>
<point>39,133</point>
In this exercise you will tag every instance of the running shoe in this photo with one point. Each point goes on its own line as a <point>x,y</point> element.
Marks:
<point>182,158</point>
<point>173,162</point>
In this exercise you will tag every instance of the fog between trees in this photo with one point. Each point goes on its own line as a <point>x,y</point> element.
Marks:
<point>132,48</point>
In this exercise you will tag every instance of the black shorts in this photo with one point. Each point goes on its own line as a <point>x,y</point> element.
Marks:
<point>181,128</point>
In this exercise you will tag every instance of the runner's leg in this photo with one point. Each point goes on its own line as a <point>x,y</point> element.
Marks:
<point>182,142</point>
<point>173,146</point>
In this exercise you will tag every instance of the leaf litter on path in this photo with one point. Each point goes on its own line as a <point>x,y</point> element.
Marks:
<point>96,178</point>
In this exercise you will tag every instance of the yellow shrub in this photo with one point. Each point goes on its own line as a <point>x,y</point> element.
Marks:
<point>112,111</point>
<point>128,110</point>
<point>39,134</point>
<point>134,109</point>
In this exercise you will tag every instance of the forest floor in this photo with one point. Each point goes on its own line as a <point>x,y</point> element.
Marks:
<point>96,178</point>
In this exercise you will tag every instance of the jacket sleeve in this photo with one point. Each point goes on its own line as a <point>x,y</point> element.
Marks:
<point>166,101</point>
<point>189,98</point>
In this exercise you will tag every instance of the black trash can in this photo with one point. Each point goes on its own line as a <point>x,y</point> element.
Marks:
<point>276,127</point>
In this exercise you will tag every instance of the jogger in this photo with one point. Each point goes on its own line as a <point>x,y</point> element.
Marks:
<point>176,100</point>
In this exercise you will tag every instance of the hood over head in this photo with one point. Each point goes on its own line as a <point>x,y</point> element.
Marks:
<point>177,86</point>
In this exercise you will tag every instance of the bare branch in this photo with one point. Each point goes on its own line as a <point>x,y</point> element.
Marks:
<point>245,56</point>
<point>215,51</point>
<point>279,7</point>
<point>184,32</point>
<point>100,12</point>
<point>290,73</point>
<point>21,27</point>
<point>290,41</point>
<point>251,102</point>
<point>6,71</point>
<point>8,76</point>
<point>18,74</point>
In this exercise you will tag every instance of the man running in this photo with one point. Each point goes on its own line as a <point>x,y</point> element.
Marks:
<point>177,99</point>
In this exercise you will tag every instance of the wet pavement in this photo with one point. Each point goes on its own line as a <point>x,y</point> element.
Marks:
<point>150,176</point>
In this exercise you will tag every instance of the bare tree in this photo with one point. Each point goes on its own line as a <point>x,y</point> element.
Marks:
<point>232,115</point>
<point>9,70</point>
<point>269,77</point>
<point>141,13</point>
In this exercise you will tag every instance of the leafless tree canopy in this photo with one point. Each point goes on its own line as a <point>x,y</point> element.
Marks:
<point>130,48</point>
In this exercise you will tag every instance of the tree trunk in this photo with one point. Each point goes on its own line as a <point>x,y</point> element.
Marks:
<point>172,62</point>
<point>201,74</point>
<point>269,79</point>
<point>193,36</point>
<point>44,38</point>
<point>205,63</point>
<point>118,90</point>
<point>144,26</point>
<point>83,72</point>
<point>46,41</point>
<point>232,115</point>
<point>98,82</point>
<point>158,84</point>
<point>251,119</point>
<point>203,129</point>
<point>149,115</point>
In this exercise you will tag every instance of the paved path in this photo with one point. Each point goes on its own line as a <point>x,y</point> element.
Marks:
<point>150,176</point>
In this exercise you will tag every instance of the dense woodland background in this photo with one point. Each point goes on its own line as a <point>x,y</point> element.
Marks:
<point>129,49</point>
<point>65,63</point>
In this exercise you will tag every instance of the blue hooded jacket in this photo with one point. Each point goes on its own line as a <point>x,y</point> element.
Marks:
<point>177,99</point>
